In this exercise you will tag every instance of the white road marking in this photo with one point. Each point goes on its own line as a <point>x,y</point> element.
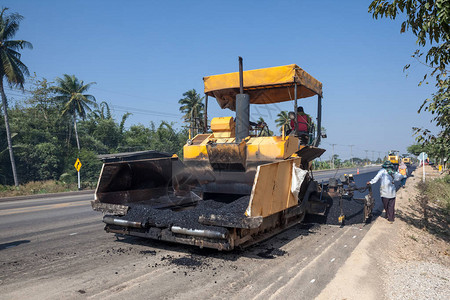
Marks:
<point>292,281</point>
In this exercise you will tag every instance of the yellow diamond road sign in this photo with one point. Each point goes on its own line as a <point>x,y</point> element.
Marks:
<point>78,165</point>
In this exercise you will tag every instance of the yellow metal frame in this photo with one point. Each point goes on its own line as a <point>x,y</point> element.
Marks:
<point>271,192</point>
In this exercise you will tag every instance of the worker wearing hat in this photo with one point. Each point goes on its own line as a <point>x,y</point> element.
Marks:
<point>304,125</point>
<point>387,188</point>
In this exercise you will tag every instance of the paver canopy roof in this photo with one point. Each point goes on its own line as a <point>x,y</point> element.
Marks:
<point>269,85</point>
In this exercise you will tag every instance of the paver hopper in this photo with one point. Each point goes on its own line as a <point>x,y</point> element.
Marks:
<point>233,188</point>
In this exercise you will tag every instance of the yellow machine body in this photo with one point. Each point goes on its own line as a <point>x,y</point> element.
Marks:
<point>268,148</point>
<point>393,159</point>
<point>194,200</point>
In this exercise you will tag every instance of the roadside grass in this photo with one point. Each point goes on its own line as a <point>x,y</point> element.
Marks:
<point>433,206</point>
<point>36,187</point>
<point>438,191</point>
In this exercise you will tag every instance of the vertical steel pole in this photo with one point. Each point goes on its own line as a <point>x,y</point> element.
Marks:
<point>241,76</point>
<point>423,169</point>
<point>319,121</point>
<point>351,153</point>
<point>79,181</point>
<point>242,108</point>
<point>295,108</point>
<point>205,127</point>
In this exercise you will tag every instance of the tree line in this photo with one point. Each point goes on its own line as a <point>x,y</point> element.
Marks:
<point>42,136</point>
<point>58,122</point>
<point>429,21</point>
<point>49,133</point>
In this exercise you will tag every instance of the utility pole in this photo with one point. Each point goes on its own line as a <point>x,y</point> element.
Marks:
<point>367,157</point>
<point>351,153</point>
<point>373,155</point>
<point>332,155</point>
<point>379,154</point>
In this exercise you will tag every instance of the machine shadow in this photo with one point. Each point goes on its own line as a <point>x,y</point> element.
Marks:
<point>13,244</point>
<point>265,249</point>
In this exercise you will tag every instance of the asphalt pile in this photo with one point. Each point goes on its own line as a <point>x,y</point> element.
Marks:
<point>271,253</point>
<point>186,261</point>
<point>353,212</point>
<point>188,217</point>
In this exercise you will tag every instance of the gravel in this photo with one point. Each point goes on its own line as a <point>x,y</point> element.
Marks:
<point>418,280</point>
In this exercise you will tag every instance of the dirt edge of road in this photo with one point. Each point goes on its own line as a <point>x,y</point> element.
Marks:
<point>41,196</point>
<point>395,261</point>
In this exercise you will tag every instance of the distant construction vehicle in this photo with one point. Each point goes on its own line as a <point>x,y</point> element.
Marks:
<point>232,188</point>
<point>406,159</point>
<point>394,158</point>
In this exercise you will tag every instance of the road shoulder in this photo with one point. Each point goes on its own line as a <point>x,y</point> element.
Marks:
<point>361,275</point>
<point>395,261</point>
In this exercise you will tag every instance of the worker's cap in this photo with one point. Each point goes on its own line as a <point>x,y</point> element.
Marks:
<point>387,165</point>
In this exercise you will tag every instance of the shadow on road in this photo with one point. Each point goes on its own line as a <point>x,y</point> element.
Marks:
<point>13,244</point>
<point>436,224</point>
<point>267,249</point>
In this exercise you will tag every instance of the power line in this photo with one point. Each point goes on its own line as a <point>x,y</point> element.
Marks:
<point>351,153</point>
<point>332,155</point>
<point>120,108</point>
<point>125,94</point>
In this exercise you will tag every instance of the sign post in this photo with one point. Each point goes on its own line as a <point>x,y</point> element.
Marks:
<point>77,166</point>
<point>423,157</point>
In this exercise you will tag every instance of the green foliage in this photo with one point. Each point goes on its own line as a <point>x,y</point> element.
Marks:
<point>320,165</point>
<point>70,91</point>
<point>90,169</point>
<point>36,187</point>
<point>437,150</point>
<point>429,21</point>
<point>439,192</point>
<point>11,68</point>
<point>282,119</point>
<point>46,150</point>
<point>46,160</point>
<point>415,149</point>
<point>192,106</point>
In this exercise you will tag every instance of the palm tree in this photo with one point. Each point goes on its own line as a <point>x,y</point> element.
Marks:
<point>283,119</point>
<point>103,112</point>
<point>265,131</point>
<point>70,92</point>
<point>192,106</point>
<point>11,68</point>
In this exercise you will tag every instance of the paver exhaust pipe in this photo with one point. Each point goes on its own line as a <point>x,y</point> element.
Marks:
<point>242,108</point>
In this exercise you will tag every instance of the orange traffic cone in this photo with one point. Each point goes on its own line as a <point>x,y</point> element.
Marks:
<point>357,171</point>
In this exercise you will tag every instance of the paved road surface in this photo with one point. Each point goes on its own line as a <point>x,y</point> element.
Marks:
<point>56,248</point>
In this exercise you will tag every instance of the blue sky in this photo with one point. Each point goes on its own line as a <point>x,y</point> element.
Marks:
<point>144,55</point>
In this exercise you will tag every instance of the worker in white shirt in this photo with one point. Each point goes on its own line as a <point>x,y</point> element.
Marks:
<point>387,188</point>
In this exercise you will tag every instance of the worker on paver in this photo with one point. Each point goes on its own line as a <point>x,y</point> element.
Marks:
<point>304,125</point>
<point>387,188</point>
